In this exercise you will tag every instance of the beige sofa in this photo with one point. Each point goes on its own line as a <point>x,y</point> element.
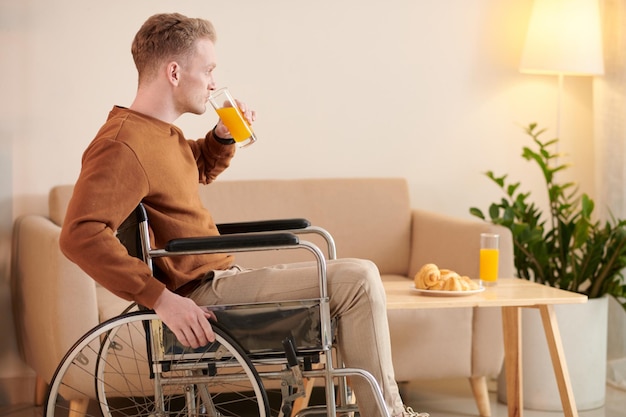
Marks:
<point>55,302</point>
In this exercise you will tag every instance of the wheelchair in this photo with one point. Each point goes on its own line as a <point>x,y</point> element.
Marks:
<point>262,362</point>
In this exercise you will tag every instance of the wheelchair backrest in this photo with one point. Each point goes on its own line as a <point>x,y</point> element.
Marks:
<point>132,233</point>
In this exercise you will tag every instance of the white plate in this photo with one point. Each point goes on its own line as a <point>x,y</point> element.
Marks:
<point>444,293</point>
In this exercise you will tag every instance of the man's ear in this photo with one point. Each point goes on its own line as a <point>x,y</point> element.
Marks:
<point>173,72</point>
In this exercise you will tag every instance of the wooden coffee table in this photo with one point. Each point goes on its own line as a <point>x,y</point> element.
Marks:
<point>511,294</point>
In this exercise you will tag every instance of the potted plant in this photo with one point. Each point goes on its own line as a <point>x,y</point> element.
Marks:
<point>564,248</point>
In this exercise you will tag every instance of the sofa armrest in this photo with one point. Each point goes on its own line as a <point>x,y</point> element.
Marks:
<point>454,243</point>
<point>54,301</point>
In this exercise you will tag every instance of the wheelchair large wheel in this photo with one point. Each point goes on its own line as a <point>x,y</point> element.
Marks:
<point>108,372</point>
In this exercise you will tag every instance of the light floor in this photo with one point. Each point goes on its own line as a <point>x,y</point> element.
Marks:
<point>454,398</point>
<point>448,398</point>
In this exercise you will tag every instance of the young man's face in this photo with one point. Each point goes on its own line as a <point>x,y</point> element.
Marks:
<point>196,79</point>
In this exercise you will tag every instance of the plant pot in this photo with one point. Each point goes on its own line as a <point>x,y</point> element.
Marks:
<point>583,329</point>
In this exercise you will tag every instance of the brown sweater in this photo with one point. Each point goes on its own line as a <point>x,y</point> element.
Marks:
<point>135,158</point>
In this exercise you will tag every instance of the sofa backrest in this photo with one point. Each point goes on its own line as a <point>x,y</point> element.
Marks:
<point>58,199</point>
<point>369,218</point>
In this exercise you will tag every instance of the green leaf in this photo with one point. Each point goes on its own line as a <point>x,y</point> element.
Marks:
<point>494,211</point>
<point>477,212</point>
<point>587,206</point>
<point>510,190</point>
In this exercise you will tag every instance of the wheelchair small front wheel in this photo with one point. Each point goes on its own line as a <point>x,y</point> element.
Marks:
<point>113,371</point>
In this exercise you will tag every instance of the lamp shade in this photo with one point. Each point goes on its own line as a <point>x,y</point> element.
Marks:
<point>564,37</point>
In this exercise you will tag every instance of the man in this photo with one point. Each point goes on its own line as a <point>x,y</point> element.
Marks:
<point>140,156</point>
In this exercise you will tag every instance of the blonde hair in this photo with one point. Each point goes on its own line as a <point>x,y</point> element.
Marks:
<point>167,36</point>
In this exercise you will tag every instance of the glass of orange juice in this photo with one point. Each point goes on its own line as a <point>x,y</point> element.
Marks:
<point>226,108</point>
<point>489,254</point>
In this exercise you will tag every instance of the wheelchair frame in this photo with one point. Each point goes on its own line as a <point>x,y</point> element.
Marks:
<point>236,237</point>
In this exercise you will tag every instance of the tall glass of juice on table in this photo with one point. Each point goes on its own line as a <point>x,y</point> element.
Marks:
<point>226,108</point>
<point>489,254</point>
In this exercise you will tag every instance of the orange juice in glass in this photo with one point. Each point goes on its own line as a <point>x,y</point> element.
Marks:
<point>489,254</point>
<point>231,116</point>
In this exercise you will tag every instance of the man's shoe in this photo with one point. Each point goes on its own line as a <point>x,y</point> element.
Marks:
<point>409,412</point>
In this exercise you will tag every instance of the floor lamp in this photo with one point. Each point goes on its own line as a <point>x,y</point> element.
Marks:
<point>564,38</point>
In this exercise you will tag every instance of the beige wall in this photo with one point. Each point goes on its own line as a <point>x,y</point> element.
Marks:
<point>427,90</point>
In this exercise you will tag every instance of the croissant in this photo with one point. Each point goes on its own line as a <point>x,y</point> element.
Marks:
<point>427,277</point>
<point>453,283</point>
<point>446,273</point>
<point>430,277</point>
<point>468,284</point>
<point>438,285</point>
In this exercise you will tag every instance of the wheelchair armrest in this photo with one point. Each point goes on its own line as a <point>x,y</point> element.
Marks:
<point>232,242</point>
<point>263,226</point>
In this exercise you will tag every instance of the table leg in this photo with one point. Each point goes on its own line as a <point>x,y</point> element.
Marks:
<point>511,326</point>
<point>555,346</point>
<point>481,395</point>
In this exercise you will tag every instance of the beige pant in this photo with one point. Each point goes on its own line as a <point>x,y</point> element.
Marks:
<point>357,297</point>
